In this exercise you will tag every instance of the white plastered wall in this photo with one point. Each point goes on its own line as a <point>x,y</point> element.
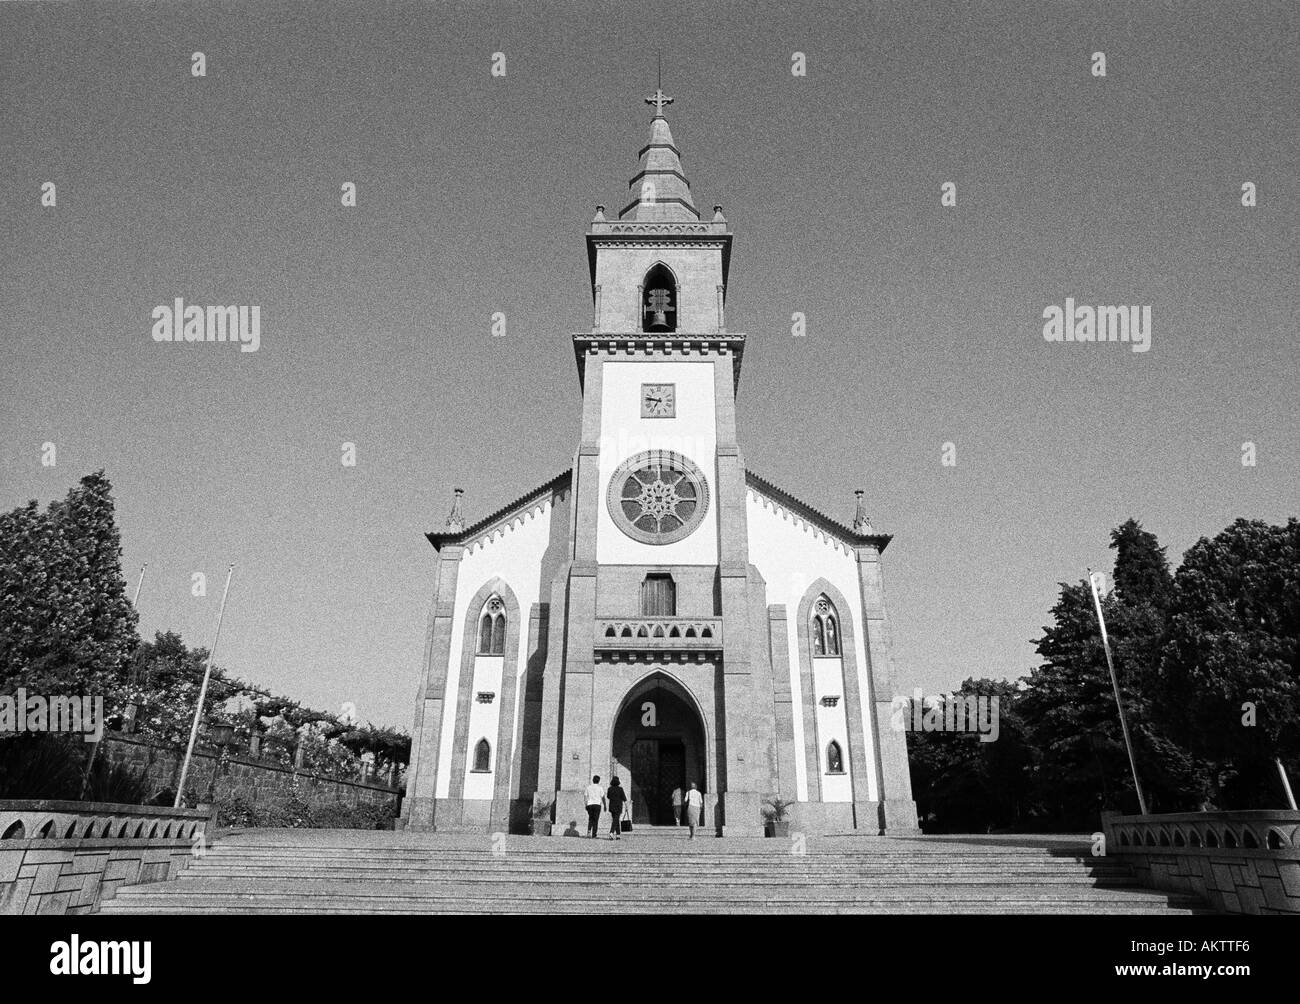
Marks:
<point>624,433</point>
<point>514,553</point>
<point>791,555</point>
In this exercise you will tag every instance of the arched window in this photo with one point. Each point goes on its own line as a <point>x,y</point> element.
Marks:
<point>658,595</point>
<point>659,299</point>
<point>834,758</point>
<point>482,756</point>
<point>492,628</point>
<point>825,628</point>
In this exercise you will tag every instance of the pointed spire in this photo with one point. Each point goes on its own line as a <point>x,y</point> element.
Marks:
<point>659,189</point>
<point>455,521</point>
<point>861,521</point>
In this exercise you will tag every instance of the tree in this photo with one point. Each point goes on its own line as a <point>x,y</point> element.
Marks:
<point>164,681</point>
<point>1070,706</point>
<point>1141,568</point>
<point>964,784</point>
<point>66,625</point>
<point>1230,672</point>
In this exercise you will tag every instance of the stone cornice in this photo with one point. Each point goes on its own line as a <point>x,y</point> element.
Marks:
<point>659,170</point>
<point>658,228</point>
<point>658,146</point>
<point>503,520</point>
<point>659,233</point>
<point>670,201</point>
<point>658,346</point>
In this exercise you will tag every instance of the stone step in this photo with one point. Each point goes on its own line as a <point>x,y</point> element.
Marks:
<point>807,888</point>
<point>625,854</point>
<point>624,857</point>
<point>508,867</point>
<point>613,872</point>
<point>938,904</point>
<point>631,892</point>
<point>700,848</point>
<point>607,909</point>
<point>283,872</point>
<point>515,867</point>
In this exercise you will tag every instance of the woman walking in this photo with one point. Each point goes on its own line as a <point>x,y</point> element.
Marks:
<point>694,803</point>
<point>617,798</point>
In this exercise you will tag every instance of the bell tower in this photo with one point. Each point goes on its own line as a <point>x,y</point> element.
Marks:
<point>675,282</point>
<point>659,489</point>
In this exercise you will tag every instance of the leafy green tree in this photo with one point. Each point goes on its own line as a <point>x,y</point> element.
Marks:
<point>963,784</point>
<point>66,625</point>
<point>1069,705</point>
<point>1141,567</point>
<point>1233,658</point>
<point>164,681</point>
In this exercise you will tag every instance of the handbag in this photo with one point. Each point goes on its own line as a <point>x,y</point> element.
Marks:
<point>625,824</point>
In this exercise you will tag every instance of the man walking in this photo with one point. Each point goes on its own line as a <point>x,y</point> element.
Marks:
<point>595,802</point>
<point>694,803</point>
<point>677,806</point>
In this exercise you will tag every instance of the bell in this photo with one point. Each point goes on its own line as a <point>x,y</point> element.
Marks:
<point>658,307</point>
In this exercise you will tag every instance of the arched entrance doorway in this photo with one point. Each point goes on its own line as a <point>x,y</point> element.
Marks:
<point>659,740</point>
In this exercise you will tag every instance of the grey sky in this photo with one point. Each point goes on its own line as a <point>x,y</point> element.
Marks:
<point>473,195</point>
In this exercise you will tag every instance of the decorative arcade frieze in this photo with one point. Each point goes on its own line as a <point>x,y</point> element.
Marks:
<point>670,638</point>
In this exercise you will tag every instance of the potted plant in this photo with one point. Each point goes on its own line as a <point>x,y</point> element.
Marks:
<point>542,819</point>
<point>775,812</point>
<point>221,732</point>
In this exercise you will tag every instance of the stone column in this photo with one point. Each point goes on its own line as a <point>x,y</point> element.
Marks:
<point>422,772</point>
<point>782,702</point>
<point>577,762</point>
<point>739,804</point>
<point>893,778</point>
<point>548,753</point>
<point>577,759</point>
<point>526,776</point>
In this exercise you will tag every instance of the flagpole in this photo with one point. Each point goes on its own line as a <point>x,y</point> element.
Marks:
<point>1114,682</point>
<point>1286,783</point>
<point>140,582</point>
<point>203,692</point>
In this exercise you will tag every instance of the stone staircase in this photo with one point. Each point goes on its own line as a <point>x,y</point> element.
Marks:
<point>350,871</point>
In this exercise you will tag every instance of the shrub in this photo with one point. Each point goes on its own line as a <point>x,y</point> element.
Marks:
<point>301,810</point>
<point>48,765</point>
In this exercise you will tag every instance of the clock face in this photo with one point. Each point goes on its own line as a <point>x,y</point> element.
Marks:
<point>658,400</point>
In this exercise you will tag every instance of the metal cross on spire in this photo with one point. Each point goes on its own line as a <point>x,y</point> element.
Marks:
<point>660,98</point>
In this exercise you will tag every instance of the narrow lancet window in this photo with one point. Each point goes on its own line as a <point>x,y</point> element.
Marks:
<point>492,628</point>
<point>825,628</point>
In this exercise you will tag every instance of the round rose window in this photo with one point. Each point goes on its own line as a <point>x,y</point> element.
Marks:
<point>658,497</point>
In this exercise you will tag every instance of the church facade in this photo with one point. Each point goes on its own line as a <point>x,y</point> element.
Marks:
<point>660,612</point>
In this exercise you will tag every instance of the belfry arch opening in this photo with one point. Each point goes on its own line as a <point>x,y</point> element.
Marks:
<point>659,743</point>
<point>659,299</point>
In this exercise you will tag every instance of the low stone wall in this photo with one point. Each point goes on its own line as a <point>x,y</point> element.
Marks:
<point>240,773</point>
<point>66,857</point>
<point>1238,862</point>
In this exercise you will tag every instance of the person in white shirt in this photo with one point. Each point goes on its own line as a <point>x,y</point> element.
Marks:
<point>595,802</point>
<point>694,803</point>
